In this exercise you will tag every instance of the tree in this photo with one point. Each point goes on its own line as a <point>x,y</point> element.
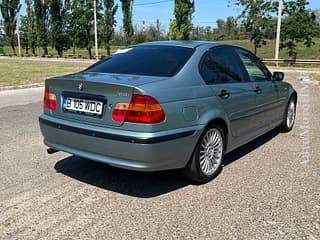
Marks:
<point>71,19</point>
<point>150,33</point>
<point>10,10</point>
<point>298,26</point>
<point>126,6</point>
<point>2,37</point>
<point>255,18</point>
<point>109,21</point>
<point>31,34</point>
<point>24,33</point>
<point>153,33</point>
<point>316,16</point>
<point>42,23</point>
<point>80,19</point>
<point>231,28</point>
<point>57,29</point>
<point>227,29</point>
<point>181,26</point>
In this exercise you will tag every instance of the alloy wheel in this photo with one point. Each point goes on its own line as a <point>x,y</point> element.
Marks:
<point>211,152</point>
<point>291,114</point>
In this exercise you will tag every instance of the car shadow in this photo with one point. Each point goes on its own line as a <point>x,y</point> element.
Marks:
<point>133,183</point>
<point>249,147</point>
<point>141,184</point>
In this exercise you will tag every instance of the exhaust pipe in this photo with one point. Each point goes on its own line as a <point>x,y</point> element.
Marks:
<point>51,151</point>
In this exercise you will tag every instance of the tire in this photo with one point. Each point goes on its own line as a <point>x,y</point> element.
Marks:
<point>206,161</point>
<point>289,116</point>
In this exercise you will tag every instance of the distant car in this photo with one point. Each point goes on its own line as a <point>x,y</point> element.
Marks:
<point>166,105</point>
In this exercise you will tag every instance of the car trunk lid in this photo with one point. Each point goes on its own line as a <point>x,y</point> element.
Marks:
<point>90,87</point>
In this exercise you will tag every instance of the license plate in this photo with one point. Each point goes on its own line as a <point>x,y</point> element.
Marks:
<point>83,105</point>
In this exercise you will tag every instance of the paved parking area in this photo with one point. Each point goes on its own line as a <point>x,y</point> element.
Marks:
<point>268,189</point>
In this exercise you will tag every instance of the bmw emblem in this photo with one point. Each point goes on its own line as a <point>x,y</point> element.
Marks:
<point>80,87</point>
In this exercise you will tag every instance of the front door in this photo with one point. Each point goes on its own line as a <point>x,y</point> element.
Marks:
<point>268,105</point>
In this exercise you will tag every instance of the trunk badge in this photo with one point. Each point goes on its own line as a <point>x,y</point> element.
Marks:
<point>80,86</point>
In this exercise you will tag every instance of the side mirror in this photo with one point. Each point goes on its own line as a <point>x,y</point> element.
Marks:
<point>278,76</point>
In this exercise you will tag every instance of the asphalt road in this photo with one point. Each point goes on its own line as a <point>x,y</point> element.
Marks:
<point>268,189</point>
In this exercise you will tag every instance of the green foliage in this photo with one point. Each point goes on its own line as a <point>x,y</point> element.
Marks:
<point>298,26</point>
<point>138,37</point>
<point>58,34</point>
<point>173,30</point>
<point>267,51</point>
<point>228,29</point>
<point>126,6</point>
<point>10,10</point>
<point>63,23</point>
<point>181,27</point>
<point>41,10</point>
<point>202,33</point>
<point>154,33</point>
<point>256,18</point>
<point>109,21</point>
<point>31,28</point>
<point>24,33</point>
<point>80,21</point>
<point>151,33</point>
<point>71,19</point>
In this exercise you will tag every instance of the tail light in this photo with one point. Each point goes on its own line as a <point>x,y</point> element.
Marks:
<point>141,109</point>
<point>49,100</point>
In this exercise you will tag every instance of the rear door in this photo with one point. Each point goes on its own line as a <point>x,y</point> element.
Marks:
<point>268,104</point>
<point>223,72</point>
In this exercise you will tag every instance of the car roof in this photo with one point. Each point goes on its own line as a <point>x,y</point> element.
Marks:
<point>189,44</point>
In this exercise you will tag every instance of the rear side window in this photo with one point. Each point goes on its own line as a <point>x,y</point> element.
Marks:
<point>221,65</point>
<point>145,60</point>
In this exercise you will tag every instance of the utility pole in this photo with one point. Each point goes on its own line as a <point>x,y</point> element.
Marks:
<point>95,27</point>
<point>276,56</point>
<point>18,33</point>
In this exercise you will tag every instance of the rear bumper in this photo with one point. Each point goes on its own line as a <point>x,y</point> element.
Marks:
<point>125,149</point>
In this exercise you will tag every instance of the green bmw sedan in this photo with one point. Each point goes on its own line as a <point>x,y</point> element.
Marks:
<point>166,105</point>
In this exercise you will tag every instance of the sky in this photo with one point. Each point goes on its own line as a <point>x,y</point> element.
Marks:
<point>207,12</point>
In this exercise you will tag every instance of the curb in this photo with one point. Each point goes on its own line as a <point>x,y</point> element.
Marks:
<point>34,85</point>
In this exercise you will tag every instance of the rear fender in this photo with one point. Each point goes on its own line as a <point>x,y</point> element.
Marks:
<point>215,114</point>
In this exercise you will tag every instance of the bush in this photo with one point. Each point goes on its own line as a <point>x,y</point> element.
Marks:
<point>138,38</point>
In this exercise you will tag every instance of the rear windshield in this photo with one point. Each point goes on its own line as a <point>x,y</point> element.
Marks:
<point>145,60</point>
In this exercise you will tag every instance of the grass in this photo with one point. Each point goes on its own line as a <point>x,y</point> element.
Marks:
<point>267,51</point>
<point>315,76</point>
<point>15,73</point>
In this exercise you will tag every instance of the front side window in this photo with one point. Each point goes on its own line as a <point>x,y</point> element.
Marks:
<point>163,61</point>
<point>256,70</point>
<point>221,65</point>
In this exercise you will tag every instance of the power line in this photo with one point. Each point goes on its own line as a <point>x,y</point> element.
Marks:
<point>164,1</point>
<point>152,3</point>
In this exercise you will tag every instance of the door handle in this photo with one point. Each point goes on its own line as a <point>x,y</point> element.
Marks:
<point>224,94</point>
<point>258,90</point>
